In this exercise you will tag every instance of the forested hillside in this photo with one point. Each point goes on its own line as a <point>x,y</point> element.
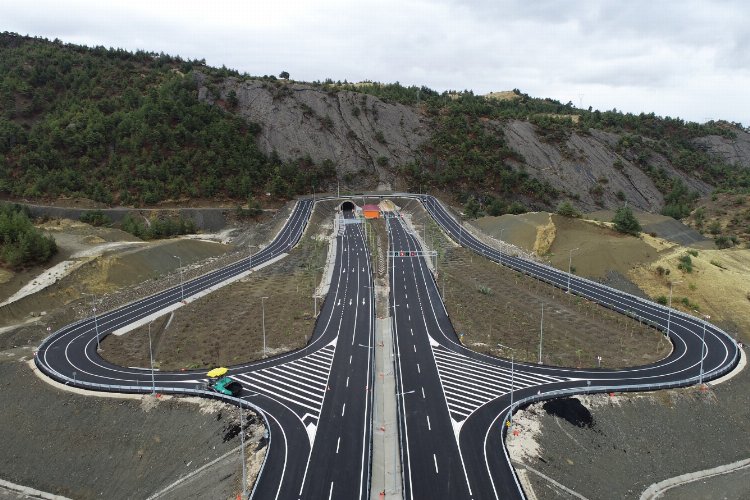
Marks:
<point>125,128</point>
<point>140,128</point>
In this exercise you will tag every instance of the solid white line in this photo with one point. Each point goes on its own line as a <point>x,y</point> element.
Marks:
<point>350,359</point>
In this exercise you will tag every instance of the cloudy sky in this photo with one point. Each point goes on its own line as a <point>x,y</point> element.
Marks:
<point>676,58</point>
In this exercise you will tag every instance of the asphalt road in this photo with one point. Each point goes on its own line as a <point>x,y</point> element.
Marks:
<point>452,402</point>
<point>316,401</point>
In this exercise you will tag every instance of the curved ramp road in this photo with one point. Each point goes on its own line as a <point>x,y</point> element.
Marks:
<point>316,401</point>
<point>448,390</point>
<point>453,404</point>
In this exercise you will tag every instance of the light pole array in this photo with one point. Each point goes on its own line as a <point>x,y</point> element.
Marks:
<point>182,289</point>
<point>570,264</point>
<point>263,307</point>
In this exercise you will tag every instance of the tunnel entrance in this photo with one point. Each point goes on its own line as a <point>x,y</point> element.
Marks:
<point>347,206</point>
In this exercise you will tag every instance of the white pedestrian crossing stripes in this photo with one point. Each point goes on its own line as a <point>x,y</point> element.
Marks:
<point>300,384</point>
<point>469,384</point>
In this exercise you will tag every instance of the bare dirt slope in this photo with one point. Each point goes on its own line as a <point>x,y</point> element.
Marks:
<point>495,309</point>
<point>84,447</point>
<point>226,327</point>
<point>615,447</point>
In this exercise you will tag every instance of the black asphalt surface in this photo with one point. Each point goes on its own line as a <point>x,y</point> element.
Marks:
<point>316,402</point>
<point>452,402</point>
<point>462,448</point>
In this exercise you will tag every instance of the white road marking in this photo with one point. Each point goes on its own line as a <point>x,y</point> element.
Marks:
<point>330,493</point>
<point>339,442</point>
<point>347,381</point>
<point>343,409</point>
<point>415,348</point>
<point>429,427</point>
<point>350,359</point>
<point>423,396</point>
<point>436,467</point>
<point>419,370</point>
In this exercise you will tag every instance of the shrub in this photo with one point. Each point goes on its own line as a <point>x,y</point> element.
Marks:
<point>692,252</point>
<point>686,263</point>
<point>723,242</point>
<point>566,209</point>
<point>662,299</point>
<point>625,222</point>
<point>95,218</point>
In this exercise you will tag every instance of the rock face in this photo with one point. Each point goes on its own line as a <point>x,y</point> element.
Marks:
<point>367,139</point>
<point>733,151</point>
<point>589,167</point>
<point>363,136</point>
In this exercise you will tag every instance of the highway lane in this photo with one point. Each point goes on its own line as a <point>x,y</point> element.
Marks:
<point>431,463</point>
<point>478,394</point>
<point>476,388</point>
<point>316,401</point>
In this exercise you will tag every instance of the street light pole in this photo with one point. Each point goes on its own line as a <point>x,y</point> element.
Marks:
<point>182,288</point>
<point>570,264</point>
<point>669,310</point>
<point>541,335</point>
<point>96,323</point>
<point>244,464</point>
<point>502,246</point>
<point>512,383</point>
<point>151,355</point>
<point>703,347</point>
<point>263,306</point>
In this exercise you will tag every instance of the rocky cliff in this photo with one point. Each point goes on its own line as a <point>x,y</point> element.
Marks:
<point>365,137</point>
<point>368,139</point>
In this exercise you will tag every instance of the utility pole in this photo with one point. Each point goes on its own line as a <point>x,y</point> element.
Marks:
<point>263,307</point>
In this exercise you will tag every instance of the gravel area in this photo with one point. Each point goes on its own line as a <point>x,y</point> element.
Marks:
<point>635,440</point>
<point>91,447</point>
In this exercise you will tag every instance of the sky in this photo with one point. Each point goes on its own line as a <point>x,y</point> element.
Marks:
<point>685,58</point>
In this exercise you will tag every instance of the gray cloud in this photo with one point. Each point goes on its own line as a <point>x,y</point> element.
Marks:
<point>684,58</point>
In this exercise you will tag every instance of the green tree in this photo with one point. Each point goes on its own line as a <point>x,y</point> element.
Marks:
<point>566,209</point>
<point>472,208</point>
<point>625,221</point>
<point>284,75</point>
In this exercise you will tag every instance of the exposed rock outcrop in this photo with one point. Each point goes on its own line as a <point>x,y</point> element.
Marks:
<point>364,136</point>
